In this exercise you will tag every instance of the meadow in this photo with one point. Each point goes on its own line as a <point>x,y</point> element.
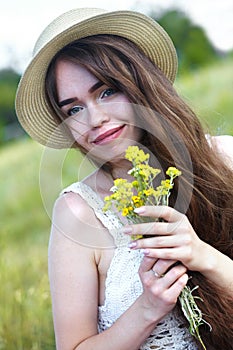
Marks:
<point>31,179</point>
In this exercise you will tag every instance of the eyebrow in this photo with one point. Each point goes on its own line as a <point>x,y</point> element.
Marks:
<point>66,102</point>
<point>72,99</point>
<point>96,86</point>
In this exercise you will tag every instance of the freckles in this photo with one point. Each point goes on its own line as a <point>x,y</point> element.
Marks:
<point>77,129</point>
<point>78,136</point>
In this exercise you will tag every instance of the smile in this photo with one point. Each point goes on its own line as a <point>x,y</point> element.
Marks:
<point>109,135</point>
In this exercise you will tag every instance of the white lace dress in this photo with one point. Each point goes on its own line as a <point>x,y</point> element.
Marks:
<point>123,285</point>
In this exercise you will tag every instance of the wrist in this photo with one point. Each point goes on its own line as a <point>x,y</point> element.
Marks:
<point>150,316</point>
<point>217,268</point>
<point>209,260</point>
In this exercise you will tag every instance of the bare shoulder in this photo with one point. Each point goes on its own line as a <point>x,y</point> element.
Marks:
<point>71,203</point>
<point>223,144</point>
<point>75,220</point>
<point>69,227</point>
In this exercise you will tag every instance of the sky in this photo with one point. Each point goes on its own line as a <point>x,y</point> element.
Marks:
<point>21,21</point>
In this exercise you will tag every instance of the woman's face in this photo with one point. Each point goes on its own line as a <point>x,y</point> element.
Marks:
<point>100,118</point>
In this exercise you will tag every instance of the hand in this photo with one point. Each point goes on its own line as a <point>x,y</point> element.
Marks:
<point>162,284</point>
<point>174,239</point>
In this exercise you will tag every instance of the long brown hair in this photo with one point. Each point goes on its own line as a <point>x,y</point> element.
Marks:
<point>175,136</point>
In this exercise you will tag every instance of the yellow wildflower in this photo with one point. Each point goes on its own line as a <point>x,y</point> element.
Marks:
<point>148,192</point>
<point>173,172</point>
<point>135,184</point>
<point>125,212</point>
<point>135,155</point>
<point>166,184</point>
<point>135,199</point>
<point>129,195</point>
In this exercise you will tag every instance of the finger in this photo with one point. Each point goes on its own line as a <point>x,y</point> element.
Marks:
<point>173,274</point>
<point>155,228</point>
<point>155,242</point>
<point>146,264</point>
<point>177,287</point>
<point>178,254</point>
<point>161,266</point>
<point>161,211</point>
<point>150,228</point>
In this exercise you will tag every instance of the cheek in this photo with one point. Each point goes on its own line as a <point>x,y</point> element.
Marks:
<point>122,109</point>
<point>78,132</point>
<point>121,106</point>
<point>76,127</point>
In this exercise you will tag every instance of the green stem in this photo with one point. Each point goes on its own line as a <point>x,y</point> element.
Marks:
<point>192,313</point>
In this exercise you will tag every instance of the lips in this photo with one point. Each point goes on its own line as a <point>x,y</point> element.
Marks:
<point>109,135</point>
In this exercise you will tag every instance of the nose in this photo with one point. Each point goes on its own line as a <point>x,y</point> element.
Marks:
<point>97,115</point>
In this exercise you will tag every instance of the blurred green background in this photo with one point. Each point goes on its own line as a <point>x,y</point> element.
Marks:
<point>32,177</point>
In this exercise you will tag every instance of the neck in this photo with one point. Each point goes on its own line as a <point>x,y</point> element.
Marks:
<point>111,172</point>
<point>120,169</point>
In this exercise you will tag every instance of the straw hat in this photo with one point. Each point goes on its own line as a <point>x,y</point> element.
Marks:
<point>32,108</point>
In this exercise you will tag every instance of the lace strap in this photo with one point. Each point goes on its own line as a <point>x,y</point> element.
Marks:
<point>86,193</point>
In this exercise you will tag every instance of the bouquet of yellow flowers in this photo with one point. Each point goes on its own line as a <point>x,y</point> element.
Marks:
<point>127,196</point>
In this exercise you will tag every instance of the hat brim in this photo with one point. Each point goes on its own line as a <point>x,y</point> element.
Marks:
<point>32,107</point>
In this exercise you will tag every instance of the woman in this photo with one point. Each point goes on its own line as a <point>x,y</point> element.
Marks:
<point>102,81</point>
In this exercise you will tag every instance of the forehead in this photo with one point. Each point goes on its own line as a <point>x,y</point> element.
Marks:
<point>71,77</point>
<point>65,69</point>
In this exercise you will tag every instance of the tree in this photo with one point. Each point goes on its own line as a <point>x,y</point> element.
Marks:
<point>194,49</point>
<point>9,126</point>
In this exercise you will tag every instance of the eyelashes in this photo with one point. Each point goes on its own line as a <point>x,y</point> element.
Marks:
<point>76,109</point>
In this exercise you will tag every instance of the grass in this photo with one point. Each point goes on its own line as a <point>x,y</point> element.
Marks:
<point>25,309</point>
<point>31,179</point>
<point>209,92</point>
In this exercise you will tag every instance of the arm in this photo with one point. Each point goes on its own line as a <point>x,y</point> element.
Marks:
<point>224,146</point>
<point>73,275</point>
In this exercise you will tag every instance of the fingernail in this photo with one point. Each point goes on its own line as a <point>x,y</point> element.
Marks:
<point>127,230</point>
<point>139,210</point>
<point>145,251</point>
<point>132,244</point>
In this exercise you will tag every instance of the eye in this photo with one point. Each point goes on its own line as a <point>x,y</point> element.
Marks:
<point>74,110</point>
<point>108,92</point>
